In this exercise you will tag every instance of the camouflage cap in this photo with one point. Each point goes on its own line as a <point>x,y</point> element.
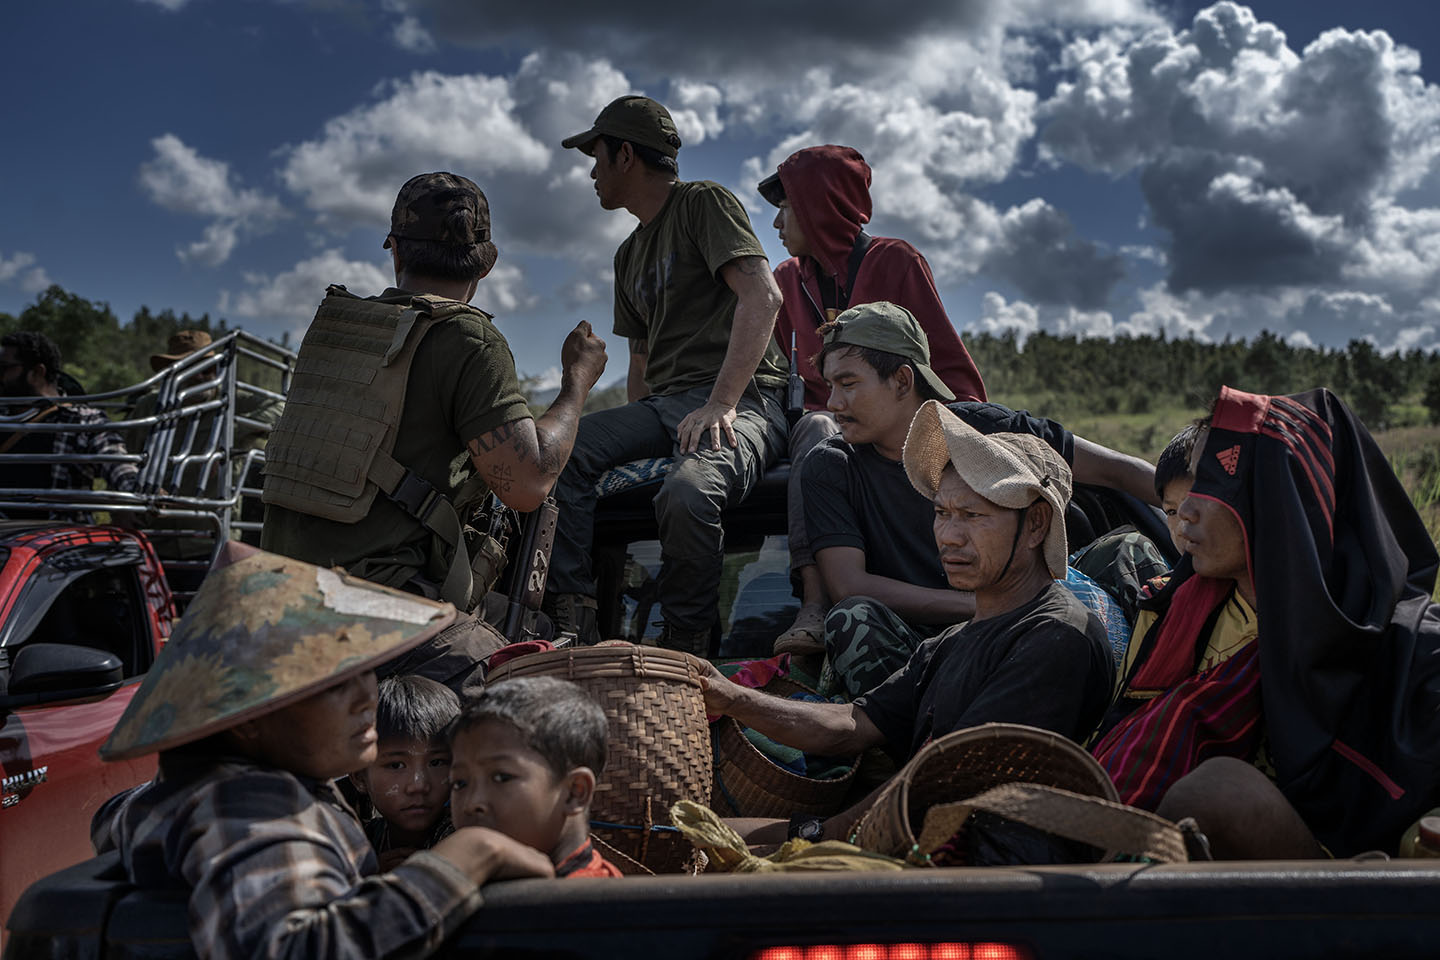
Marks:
<point>263,632</point>
<point>889,328</point>
<point>634,118</point>
<point>182,343</point>
<point>424,210</point>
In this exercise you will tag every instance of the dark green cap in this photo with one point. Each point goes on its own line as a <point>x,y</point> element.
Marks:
<point>889,328</point>
<point>634,118</point>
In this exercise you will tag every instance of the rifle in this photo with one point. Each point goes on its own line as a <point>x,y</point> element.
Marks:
<point>532,569</point>
<point>795,386</point>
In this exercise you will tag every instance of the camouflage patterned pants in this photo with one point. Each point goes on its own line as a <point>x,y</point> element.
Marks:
<point>865,642</point>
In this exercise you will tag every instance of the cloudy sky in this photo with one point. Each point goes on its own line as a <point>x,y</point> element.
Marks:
<point>1121,166</point>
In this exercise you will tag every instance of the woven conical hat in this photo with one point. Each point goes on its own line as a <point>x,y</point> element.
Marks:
<point>262,632</point>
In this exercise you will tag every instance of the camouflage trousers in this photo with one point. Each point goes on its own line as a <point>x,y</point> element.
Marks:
<point>865,642</point>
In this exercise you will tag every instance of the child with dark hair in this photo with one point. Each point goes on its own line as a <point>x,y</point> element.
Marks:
<point>526,755</point>
<point>1173,476</point>
<point>409,782</point>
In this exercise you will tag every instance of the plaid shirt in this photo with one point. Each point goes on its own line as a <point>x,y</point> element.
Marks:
<point>77,476</point>
<point>277,865</point>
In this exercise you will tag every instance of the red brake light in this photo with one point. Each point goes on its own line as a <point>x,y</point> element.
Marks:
<point>895,951</point>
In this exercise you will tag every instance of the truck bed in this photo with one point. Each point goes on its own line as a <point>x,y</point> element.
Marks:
<point>1218,911</point>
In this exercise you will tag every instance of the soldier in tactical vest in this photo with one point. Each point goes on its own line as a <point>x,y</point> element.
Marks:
<point>404,411</point>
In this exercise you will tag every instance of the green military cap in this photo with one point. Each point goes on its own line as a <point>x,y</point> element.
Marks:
<point>890,328</point>
<point>634,118</point>
<point>263,632</point>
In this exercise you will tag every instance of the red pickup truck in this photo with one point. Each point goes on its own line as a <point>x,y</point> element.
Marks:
<point>83,612</point>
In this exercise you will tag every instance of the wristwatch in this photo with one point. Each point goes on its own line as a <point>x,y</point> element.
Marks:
<point>805,827</point>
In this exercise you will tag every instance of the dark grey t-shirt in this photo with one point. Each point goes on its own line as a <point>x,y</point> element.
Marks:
<point>856,498</point>
<point>1046,664</point>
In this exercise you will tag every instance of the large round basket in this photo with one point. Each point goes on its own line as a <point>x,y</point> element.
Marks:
<point>750,784</point>
<point>965,763</point>
<point>659,745</point>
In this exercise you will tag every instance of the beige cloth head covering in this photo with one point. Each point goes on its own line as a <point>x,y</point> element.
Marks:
<point>1008,469</point>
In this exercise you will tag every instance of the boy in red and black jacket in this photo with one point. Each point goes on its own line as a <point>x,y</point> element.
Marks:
<point>525,757</point>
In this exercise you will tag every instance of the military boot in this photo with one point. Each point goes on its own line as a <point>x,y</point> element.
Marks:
<point>574,614</point>
<point>696,642</point>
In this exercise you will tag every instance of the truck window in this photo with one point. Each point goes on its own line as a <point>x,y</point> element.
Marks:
<point>101,608</point>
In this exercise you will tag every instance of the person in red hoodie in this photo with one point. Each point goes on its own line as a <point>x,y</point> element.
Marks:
<point>824,198</point>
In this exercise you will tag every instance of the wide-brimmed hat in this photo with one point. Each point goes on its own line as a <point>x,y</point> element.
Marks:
<point>1008,469</point>
<point>890,328</point>
<point>181,344</point>
<point>424,207</point>
<point>263,632</point>
<point>634,118</point>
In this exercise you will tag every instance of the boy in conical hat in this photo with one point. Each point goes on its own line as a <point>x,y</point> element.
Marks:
<point>266,692</point>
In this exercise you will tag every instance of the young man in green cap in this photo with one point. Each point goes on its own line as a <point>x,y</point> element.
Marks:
<point>264,694</point>
<point>862,515</point>
<point>695,298</point>
<point>404,409</point>
<point>823,198</point>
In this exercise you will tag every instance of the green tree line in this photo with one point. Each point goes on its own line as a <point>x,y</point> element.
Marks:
<point>1063,377</point>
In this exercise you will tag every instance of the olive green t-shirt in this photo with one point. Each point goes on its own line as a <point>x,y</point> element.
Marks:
<point>668,289</point>
<point>462,385</point>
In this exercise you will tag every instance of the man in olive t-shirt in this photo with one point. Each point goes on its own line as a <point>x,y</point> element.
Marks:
<point>695,297</point>
<point>462,413</point>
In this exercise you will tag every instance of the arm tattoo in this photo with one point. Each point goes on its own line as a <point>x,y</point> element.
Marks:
<point>493,440</point>
<point>500,477</point>
<point>639,346</point>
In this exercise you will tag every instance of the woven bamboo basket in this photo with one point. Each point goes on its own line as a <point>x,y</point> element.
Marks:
<point>965,763</point>
<point>659,744</point>
<point>750,784</point>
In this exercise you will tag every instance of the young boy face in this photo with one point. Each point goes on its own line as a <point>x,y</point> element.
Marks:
<point>1175,491</point>
<point>409,782</point>
<point>497,781</point>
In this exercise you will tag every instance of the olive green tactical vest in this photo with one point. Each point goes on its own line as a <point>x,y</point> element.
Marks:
<point>342,413</point>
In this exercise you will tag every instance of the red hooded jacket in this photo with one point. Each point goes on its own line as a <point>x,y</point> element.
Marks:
<point>829,190</point>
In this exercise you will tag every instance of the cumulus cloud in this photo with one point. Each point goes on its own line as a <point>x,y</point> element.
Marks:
<point>410,35</point>
<point>504,290</point>
<point>291,297</point>
<point>21,270</point>
<point>178,178</point>
<point>1300,316</point>
<point>502,131</point>
<point>746,33</point>
<point>1271,170</point>
<point>997,317</point>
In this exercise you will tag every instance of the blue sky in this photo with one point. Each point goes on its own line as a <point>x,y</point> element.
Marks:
<point>1123,166</point>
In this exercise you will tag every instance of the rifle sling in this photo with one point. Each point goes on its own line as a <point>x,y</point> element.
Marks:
<point>434,511</point>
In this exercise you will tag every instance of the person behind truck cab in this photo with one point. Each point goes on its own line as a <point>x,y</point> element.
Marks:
<point>697,302</point>
<point>30,368</point>
<point>409,782</point>
<point>1314,717</point>
<point>1031,654</point>
<point>264,694</point>
<point>404,410</point>
<point>823,196</point>
<point>864,518</point>
<point>526,755</point>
